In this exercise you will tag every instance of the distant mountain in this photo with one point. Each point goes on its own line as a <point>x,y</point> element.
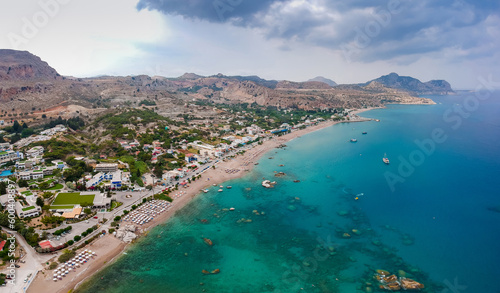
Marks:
<point>22,65</point>
<point>413,85</point>
<point>190,76</point>
<point>285,84</point>
<point>325,80</point>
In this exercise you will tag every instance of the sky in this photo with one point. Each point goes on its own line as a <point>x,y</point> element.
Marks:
<point>347,41</point>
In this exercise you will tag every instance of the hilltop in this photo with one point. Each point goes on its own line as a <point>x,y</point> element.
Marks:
<point>33,90</point>
<point>413,85</point>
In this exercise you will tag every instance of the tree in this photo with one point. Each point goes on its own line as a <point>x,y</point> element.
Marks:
<point>16,127</point>
<point>87,211</point>
<point>40,202</point>
<point>3,187</point>
<point>77,238</point>
<point>67,255</point>
<point>43,185</point>
<point>23,183</point>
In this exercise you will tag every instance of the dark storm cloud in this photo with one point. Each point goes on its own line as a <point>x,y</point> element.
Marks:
<point>210,10</point>
<point>376,29</point>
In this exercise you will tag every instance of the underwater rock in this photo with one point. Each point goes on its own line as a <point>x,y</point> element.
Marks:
<point>356,231</point>
<point>346,235</point>
<point>343,213</point>
<point>208,241</point>
<point>393,283</point>
<point>376,242</point>
<point>368,290</point>
<point>402,273</point>
<point>292,208</point>
<point>383,272</point>
<point>268,183</point>
<point>409,284</point>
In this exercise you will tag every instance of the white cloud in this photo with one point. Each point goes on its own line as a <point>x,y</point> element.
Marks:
<point>84,37</point>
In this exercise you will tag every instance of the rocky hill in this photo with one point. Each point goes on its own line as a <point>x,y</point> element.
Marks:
<point>413,85</point>
<point>325,80</point>
<point>35,91</point>
<point>22,65</point>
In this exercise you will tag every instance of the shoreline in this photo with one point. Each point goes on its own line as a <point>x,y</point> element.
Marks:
<point>109,248</point>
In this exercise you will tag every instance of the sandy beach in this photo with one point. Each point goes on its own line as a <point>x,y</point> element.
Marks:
<point>109,247</point>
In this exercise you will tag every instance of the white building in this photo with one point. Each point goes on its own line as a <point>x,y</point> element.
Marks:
<point>27,211</point>
<point>106,167</point>
<point>8,156</point>
<point>35,152</point>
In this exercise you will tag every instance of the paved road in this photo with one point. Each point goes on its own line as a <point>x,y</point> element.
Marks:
<point>33,263</point>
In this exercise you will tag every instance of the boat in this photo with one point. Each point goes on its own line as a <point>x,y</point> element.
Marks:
<point>385,159</point>
<point>353,140</point>
<point>220,190</point>
<point>205,190</point>
<point>221,186</point>
<point>229,187</point>
<point>364,132</point>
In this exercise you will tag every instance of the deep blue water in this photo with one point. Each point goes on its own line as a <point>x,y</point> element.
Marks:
<point>439,222</point>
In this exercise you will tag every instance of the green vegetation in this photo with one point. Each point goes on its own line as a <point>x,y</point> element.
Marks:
<point>73,123</point>
<point>27,232</point>
<point>56,187</point>
<point>115,204</point>
<point>60,231</point>
<point>73,198</point>
<point>163,196</point>
<point>67,255</point>
<point>58,149</point>
<point>147,103</point>
<point>62,207</point>
<point>28,208</point>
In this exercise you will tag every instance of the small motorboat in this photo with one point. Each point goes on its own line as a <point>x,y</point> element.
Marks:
<point>364,132</point>
<point>229,187</point>
<point>353,140</point>
<point>205,190</point>
<point>220,190</point>
<point>385,159</point>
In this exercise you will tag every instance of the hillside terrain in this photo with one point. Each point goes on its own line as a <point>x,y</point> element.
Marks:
<point>32,90</point>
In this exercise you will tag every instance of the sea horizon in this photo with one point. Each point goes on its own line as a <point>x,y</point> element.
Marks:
<point>430,215</point>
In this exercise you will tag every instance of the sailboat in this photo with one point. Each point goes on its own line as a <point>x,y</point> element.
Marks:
<point>385,159</point>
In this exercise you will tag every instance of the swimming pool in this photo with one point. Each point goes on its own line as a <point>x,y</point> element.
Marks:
<point>6,173</point>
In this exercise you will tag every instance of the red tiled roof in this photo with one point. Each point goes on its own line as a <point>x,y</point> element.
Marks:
<point>2,244</point>
<point>45,244</point>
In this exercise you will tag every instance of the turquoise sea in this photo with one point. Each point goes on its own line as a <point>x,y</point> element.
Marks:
<point>437,217</point>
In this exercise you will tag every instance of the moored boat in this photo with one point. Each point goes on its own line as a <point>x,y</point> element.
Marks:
<point>353,140</point>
